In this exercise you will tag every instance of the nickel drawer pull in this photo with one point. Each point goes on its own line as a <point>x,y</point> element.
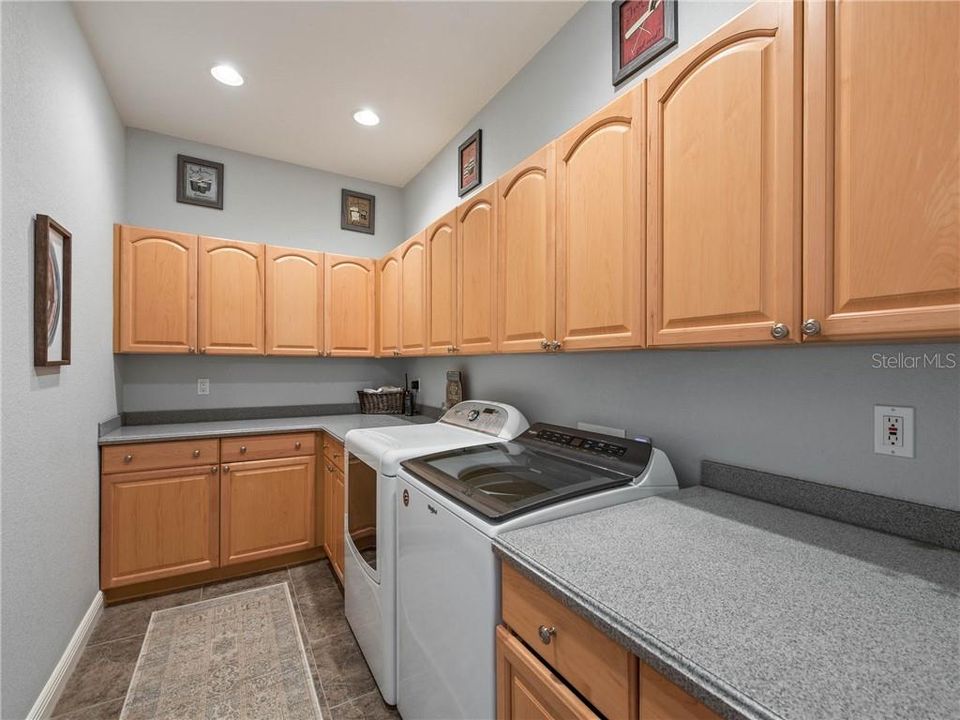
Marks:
<point>297,444</point>
<point>196,453</point>
<point>546,633</point>
<point>243,449</point>
<point>128,458</point>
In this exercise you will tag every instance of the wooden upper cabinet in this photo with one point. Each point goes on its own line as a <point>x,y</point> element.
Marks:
<point>723,184</point>
<point>388,299</point>
<point>476,259</point>
<point>526,246</point>
<point>155,291</point>
<point>600,263</point>
<point>882,175</point>
<point>349,286</point>
<point>413,296</point>
<point>441,239</point>
<point>231,297</point>
<point>294,301</point>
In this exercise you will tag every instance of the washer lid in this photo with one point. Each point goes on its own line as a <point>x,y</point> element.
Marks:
<point>502,480</point>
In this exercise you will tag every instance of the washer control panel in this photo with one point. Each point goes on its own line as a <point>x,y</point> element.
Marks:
<point>497,419</point>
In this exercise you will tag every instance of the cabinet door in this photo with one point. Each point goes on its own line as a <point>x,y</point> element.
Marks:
<point>388,299</point>
<point>442,288</point>
<point>660,699</point>
<point>600,263</point>
<point>528,690</point>
<point>156,291</point>
<point>526,243</point>
<point>338,523</point>
<point>267,508</point>
<point>413,296</point>
<point>723,185</point>
<point>349,305</point>
<point>476,258</point>
<point>882,151</point>
<point>231,297</point>
<point>329,530</point>
<point>159,523</point>
<point>294,301</point>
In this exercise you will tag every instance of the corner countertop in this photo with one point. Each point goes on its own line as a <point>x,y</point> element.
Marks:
<point>758,610</point>
<point>336,425</point>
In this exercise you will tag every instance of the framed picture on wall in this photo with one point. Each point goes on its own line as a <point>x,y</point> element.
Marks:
<point>357,211</point>
<point>642,31</point>
<point>199,182</point>
<point>51,292</point>
<point>468,164</point>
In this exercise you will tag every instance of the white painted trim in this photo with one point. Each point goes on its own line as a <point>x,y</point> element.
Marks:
<point>50,694</point>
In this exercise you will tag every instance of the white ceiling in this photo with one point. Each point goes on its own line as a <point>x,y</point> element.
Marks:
<point>425,67</point>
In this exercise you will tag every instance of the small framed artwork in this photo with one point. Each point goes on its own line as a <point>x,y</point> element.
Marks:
<point>357,211</point>
<point>51,293</point>
<point>199,182</point>
<point>468,164</point>
<point>642,31</point>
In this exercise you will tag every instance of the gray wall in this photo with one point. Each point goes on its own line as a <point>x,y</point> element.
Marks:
<point>264,201</point>
<point>567,80</point>
<point>805,412</point>
<point>63,148</point>
<point>170,383</point>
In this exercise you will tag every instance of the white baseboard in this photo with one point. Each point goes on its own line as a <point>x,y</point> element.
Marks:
<point>50,694</point>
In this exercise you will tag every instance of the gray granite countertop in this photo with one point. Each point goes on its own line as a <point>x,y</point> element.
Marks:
<point>336,425</point>
<point>758,610</point>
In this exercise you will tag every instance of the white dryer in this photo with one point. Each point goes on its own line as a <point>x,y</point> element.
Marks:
<point>370,557</point>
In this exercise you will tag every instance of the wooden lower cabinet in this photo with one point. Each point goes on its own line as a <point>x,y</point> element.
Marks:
<point>267,508</point>
<point>528,690</point>
<point>333,502</point>
<point>159,523</point>
<point>660,699</point>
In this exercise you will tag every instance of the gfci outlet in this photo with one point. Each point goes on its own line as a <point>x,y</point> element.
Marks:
<point>893,430</point>
<point>203,386</point>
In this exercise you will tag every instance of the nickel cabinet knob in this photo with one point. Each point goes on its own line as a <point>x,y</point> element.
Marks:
<point>545,344</point>
<point>243,449</point>
<point>226,468</point>
<point>546,634</point>
<point>213,469</point>
<point>556,345</point>
<point>810,327</point>
<point>297,444</point>
<point>191,349</point>
<point>128,458</point>
<point>196,453</point>
<point>779,331</point>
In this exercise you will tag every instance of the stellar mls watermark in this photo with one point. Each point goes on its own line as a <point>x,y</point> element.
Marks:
<point>916,361</point>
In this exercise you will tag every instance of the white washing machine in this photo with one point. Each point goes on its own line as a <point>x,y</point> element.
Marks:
<point>451,505</point>
<point>373,459</point>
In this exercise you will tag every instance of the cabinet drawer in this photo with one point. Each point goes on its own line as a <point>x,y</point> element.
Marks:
<point>159,455</point>
<point>333,450</point>
<point>602,671</point>
<point>265,447</point>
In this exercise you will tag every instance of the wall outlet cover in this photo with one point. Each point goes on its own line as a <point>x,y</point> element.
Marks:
<point>203,386</point>
<point>893,431</point>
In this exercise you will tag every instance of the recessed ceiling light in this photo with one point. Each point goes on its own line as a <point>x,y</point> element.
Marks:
<point>227,75</point>
<point>366,117</point>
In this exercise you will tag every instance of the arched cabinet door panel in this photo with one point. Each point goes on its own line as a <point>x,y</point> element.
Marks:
<point>294,301</point>
<point>156,291</point>
<point>526,240</point>
<point>477,273</point>
<point>388,300</point>
<point>413,296</point>
<point>441,243</point>
<point>882,180</point>
<point>723,185</point>
<point>231,297</point>
<point>349,302</point>
<point>600,263</point>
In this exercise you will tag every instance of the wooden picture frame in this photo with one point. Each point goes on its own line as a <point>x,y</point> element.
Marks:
<point>196,178</point>
<point>645,10</point>
<point>469,165</point>
<point>358,211</point>
<point>52,292</point>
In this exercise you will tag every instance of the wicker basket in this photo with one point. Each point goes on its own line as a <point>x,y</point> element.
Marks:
<point>385,403</point>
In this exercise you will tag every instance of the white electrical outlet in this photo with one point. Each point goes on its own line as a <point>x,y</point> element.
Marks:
<point>893,431</point>
<point>203,386</point>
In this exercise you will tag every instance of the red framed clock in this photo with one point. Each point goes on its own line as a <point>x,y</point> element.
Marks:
<point>642,31</point>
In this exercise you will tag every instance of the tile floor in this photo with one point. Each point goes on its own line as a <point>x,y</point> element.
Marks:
<point>346,688</point>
